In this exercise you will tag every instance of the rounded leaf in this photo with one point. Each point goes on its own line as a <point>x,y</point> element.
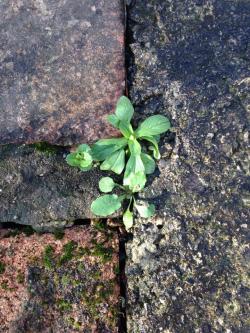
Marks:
<point>106,184</point>
<point>149,163</point>
<point>105,147</point>
<point>135,181</point>
<point>153,125</point>
<point>124,109</point>
<point>145,210</point>
<point>106,205</point>
<point>113,120</point>
<point>115,162</point>
<point>128,219</point>
<point>154,148</point>
<point>83,148</point>
<point>72,160</point>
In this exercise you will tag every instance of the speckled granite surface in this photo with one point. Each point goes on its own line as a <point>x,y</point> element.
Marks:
<point>188,268</point>
<point>57,285</point>
<point>61,69</point>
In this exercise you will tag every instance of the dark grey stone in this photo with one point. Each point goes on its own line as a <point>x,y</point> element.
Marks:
<point>187,267</point>
<point>61,69</point>
<point>38,188</point>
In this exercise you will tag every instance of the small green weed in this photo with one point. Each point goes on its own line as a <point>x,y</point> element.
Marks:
<point>123,155</point>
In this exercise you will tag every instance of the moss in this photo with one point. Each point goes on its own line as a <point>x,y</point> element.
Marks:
<point>76,283</point>
<point>81,267</point>
<point>116,269</point>
<point>59,234</point>
<point>64,305</point>
<point>45,148</point>
<point>48,257</point>
<point>96,275</point>
<point>28,231</point>
<point>82,251</point>
<point>105,293</point>
<point>100,226</point>
<point>75,324</point>
<point>68,252</point>
<point>4,285</point>
<point>91,306</point>
<point>20,277</point>
<point>66,280</point>
<point>105,253</point>
<point>35,260</point>
<point>56,280</point>
<point>2,267</point>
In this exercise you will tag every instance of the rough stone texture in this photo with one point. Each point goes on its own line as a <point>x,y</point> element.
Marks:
<point>61,69</point>
<point>38,188</point>
<point>187,267</point>
<point>67,285</point>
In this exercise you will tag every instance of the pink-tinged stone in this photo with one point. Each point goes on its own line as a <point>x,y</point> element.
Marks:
<point>44,290</point>
<point>61,69</point>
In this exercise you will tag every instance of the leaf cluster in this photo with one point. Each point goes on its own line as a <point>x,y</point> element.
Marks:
<point>123,155</point>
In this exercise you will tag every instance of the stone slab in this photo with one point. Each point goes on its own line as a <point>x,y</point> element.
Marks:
<point>39,189</point>
<point>57,285</point>
<point>61,69</point>
<point>188,267</point>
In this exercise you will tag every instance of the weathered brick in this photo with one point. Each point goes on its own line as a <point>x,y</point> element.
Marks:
<point>61,285</point>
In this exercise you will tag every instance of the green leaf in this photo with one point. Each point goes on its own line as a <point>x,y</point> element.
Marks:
<point>106,205</point>
<point>106,184</point>
<point>153,125</point>
<point>124,109</point>
<point>83,148</point>
<point>126,129</point>
<point>81,158</point>
<point>134,165</point>
<point>149,163</point>
<point>72,160</point>
<point>128,219</point>
<point>154,148</point>
<point>113,120</point>
<point>136,181</point>
<point>105,147</point>
<point>115,162</point>
<point>157,138</point>
<point>85,168</point>
<point>134,176</point>
<point>134,146</point>
<point>145,210</point>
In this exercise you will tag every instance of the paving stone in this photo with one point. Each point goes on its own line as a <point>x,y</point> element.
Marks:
<point>57,285</point>
<point>39,189</point>
<point>61,69</point>
<point>188,267</point>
